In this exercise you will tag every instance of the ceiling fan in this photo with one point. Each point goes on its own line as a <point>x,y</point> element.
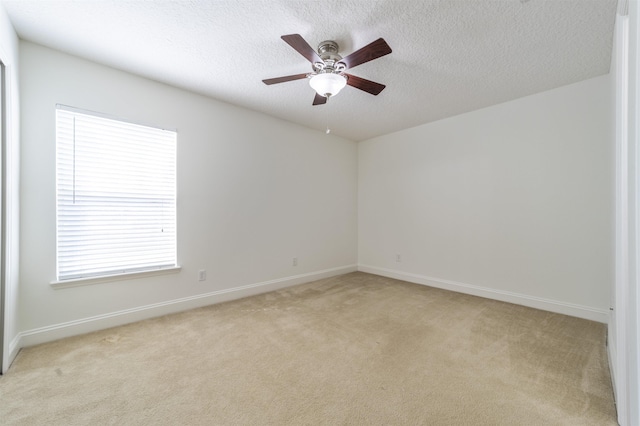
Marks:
<point>328,76</point>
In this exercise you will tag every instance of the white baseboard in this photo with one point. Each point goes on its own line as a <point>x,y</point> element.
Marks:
<point>612,369</point>
<point>570,309</point>
<point>14,348</point>
<point>11,354</point>
<point>114,319</point>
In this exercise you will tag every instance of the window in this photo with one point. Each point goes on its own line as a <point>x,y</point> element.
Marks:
<point>116,196</point>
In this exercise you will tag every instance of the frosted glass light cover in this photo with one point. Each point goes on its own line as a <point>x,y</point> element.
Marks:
<point>327,84</point>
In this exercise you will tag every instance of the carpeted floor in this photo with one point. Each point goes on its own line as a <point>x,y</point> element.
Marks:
<point>351,350</point>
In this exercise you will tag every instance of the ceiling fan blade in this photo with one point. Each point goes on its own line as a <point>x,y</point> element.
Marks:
<point>302,47</point>
<point>364,84</point>
<point>368,53</point>
<point>319,100</point>
<point>284,79</point>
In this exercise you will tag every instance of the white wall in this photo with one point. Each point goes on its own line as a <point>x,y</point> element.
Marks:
<point>512,202</point>
<point>253,192</point>
<point>9,56</point>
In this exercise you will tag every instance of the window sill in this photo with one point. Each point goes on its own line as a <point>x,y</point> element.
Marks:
<point>115,277</point>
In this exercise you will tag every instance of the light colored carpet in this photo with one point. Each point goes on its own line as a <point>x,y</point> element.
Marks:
<point>356,349</point>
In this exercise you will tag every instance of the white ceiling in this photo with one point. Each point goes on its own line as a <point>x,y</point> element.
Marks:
<point>449,56</point>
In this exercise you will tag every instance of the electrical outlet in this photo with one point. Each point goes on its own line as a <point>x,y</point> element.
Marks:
<point>295,261</point>
<point>202,275</point>
<point>398,258</point>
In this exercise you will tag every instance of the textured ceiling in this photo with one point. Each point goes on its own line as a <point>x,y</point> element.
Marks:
<point>449,56</point>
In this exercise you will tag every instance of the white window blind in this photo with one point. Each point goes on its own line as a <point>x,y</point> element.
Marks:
<point>116,196</point>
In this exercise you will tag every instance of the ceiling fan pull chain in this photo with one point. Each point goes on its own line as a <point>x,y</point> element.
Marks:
<point>326,106</point>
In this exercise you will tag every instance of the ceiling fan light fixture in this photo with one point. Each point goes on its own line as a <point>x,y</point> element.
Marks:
<point>328,84</point>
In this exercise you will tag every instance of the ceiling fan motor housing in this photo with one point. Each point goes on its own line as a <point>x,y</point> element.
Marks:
<point>328,52</point>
